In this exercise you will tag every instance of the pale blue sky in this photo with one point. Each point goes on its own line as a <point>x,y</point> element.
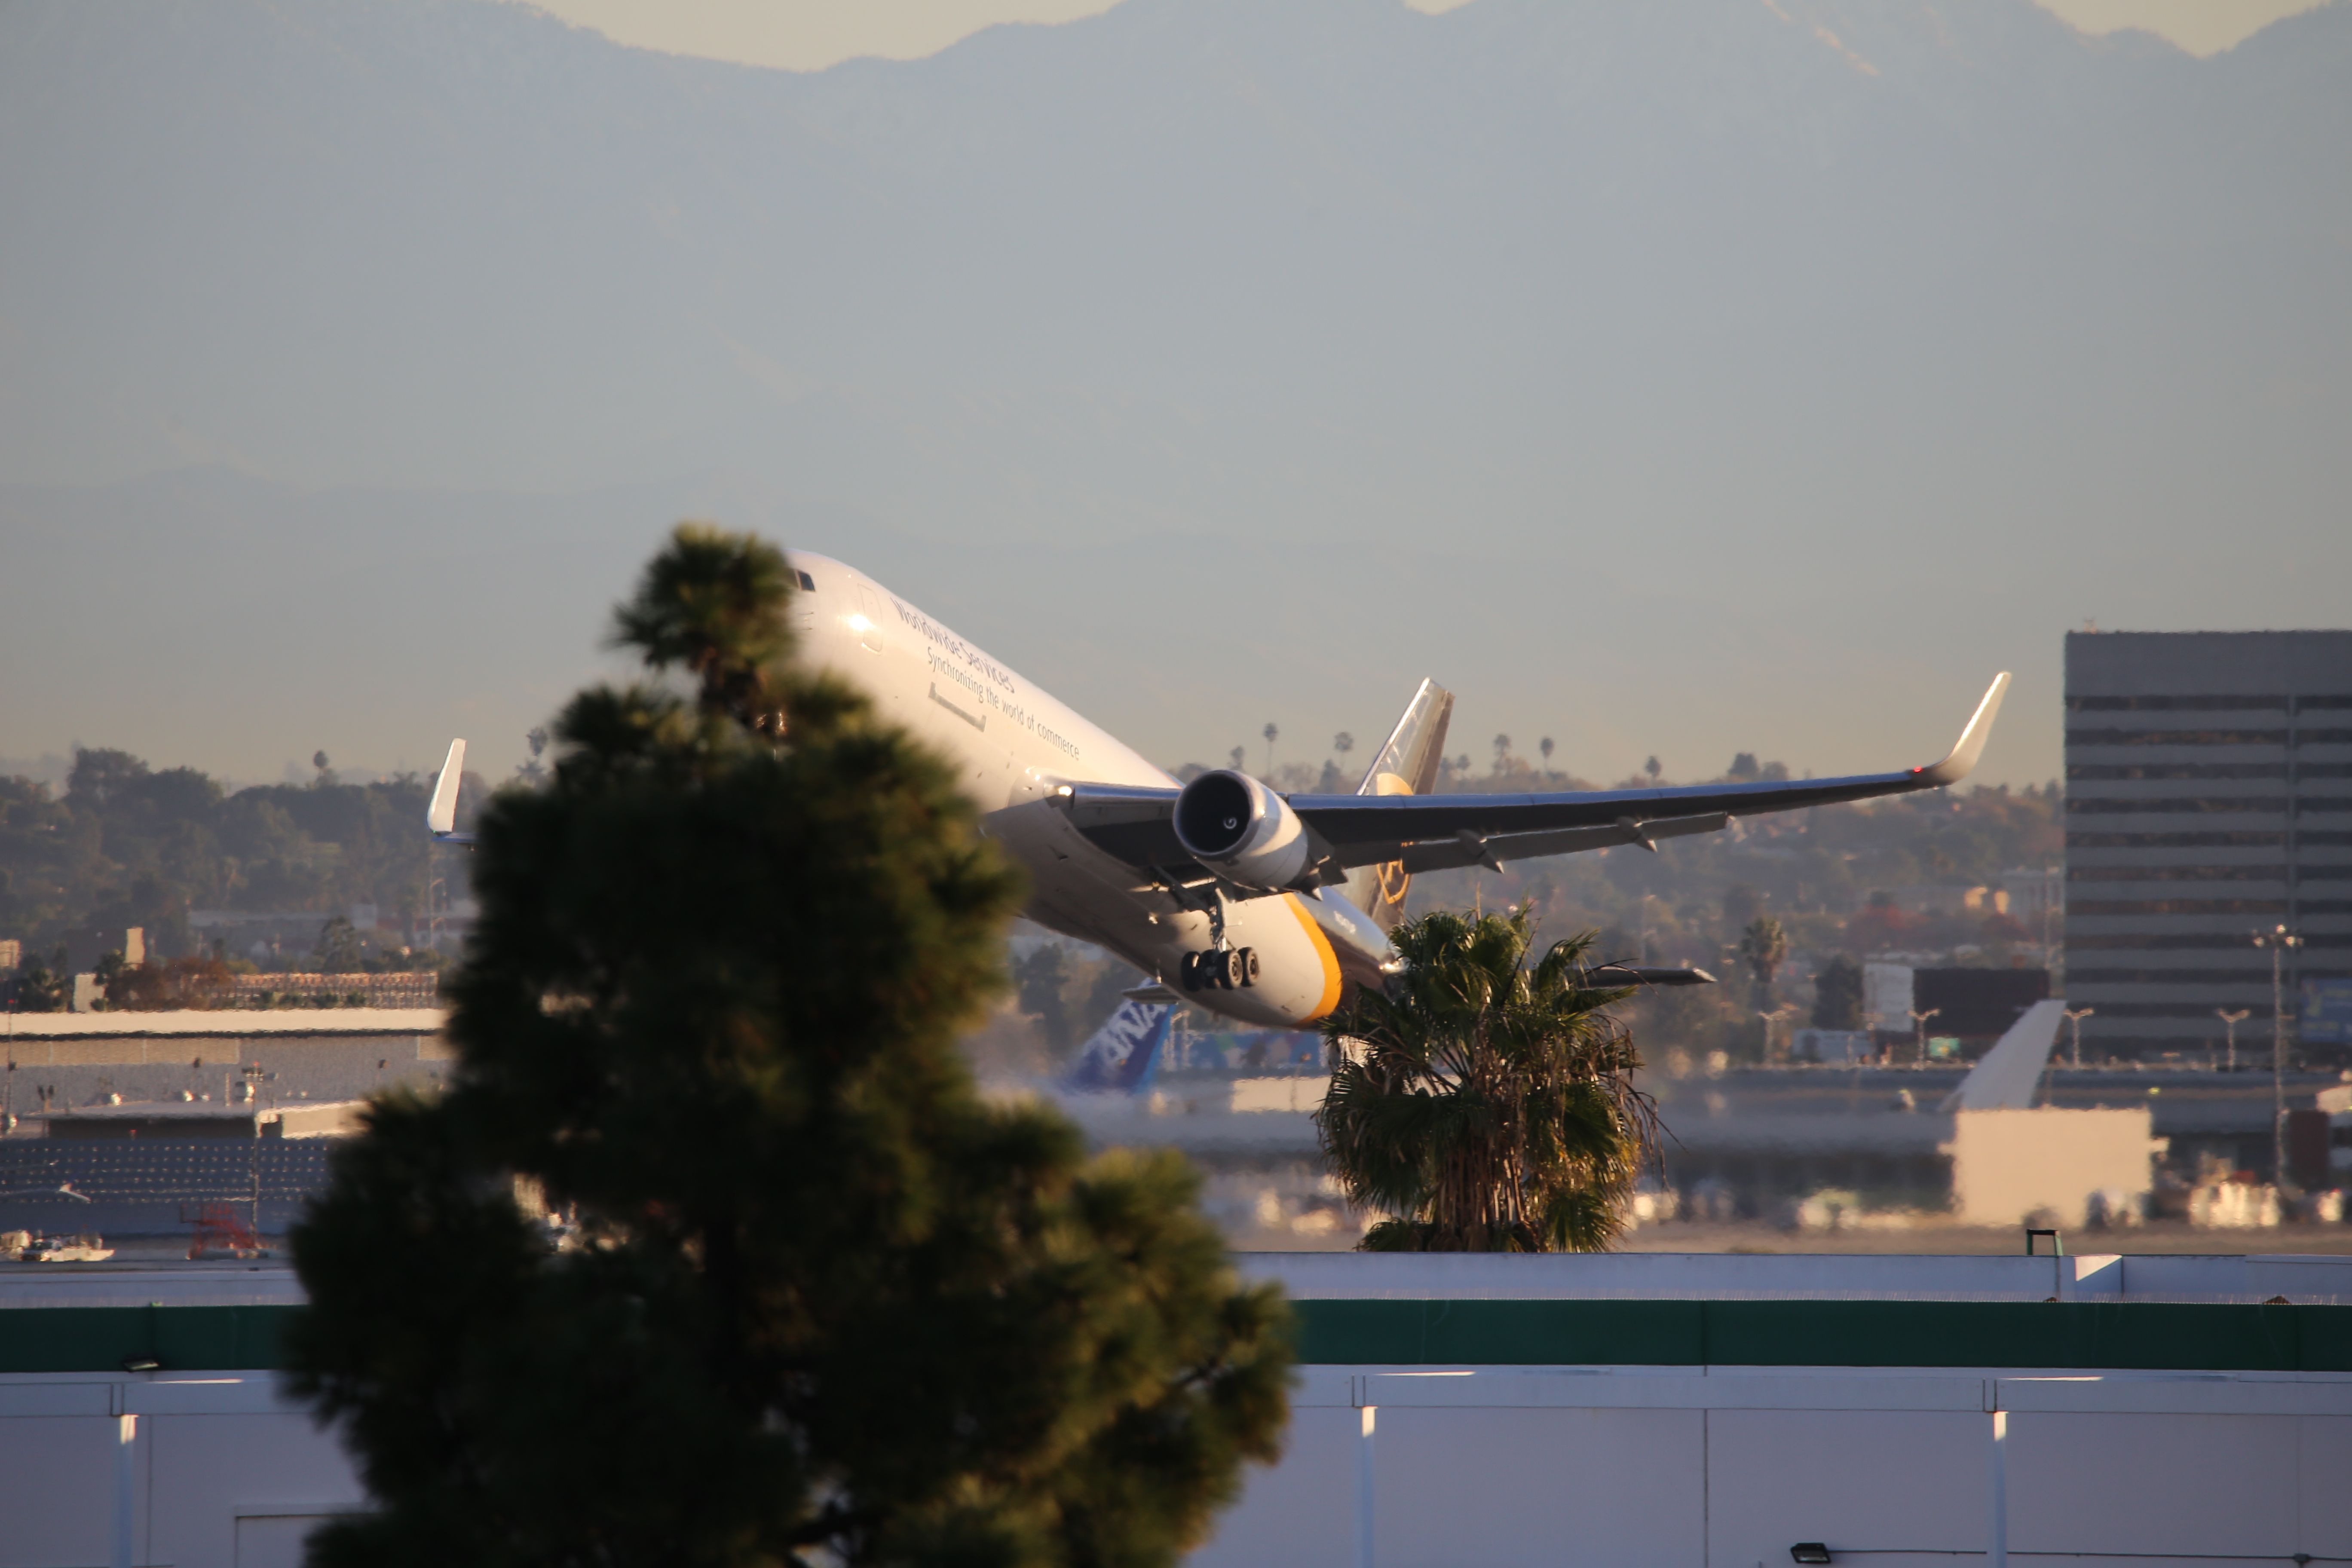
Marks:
<point>1660,385</point>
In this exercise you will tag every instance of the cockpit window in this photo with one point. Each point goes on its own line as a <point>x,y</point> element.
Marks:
<point>808,584</point>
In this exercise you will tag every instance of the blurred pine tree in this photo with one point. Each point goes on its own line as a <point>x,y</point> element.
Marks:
<point>823,1302</point>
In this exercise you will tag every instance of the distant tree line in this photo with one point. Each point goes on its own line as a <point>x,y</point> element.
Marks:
<point>129,845</point>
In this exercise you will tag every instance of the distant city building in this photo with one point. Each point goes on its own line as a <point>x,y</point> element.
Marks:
<point>2209,796</point>
<point>290,989</point>
<point>1972,1004</point>
<point>1976,1005</point>
<point>12,954</point>
<point>1886,997</point>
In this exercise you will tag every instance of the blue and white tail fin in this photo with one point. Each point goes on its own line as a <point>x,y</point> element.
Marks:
<point>1405,765</point>
<point>1123,1058</point>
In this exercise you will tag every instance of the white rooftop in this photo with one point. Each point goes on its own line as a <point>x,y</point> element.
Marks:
<point>224,1021</point>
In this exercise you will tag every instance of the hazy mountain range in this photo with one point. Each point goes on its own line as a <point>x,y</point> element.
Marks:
<point>1734,375</point>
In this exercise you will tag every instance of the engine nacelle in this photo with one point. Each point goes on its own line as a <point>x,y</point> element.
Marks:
<point>1243,831</point>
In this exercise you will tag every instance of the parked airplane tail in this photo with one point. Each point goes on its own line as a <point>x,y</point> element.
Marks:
<point>1406,764</point>
<point>2008,1075</point>
<point>1123,1056</point>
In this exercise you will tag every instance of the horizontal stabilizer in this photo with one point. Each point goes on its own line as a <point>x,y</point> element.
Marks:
<point>1615,974</point>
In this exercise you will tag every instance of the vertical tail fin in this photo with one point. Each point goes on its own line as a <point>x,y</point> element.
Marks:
<point>1123,1056</point>
<point>1405,765</point>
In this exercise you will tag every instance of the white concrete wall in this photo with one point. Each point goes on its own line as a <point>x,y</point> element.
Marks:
<point>2304,1279</point>
<point>1729,1469</point>
<point>222,1472</point>
<point>1719,1468</point>
<point>1454,1466</point>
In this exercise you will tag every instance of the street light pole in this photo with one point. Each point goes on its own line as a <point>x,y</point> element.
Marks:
<point>2278,939</point>
<point>1920,1024</point>
<point>2049,908</point>
<point>2229,1022</point>
<point>2074,1017</point>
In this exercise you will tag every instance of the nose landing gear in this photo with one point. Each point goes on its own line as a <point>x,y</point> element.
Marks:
<point>1224,968</point>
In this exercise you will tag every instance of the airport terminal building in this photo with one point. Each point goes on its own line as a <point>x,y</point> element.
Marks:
<point>2209,797</point>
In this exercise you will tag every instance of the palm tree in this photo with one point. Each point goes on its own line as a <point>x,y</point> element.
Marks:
<point>1487,1104</point>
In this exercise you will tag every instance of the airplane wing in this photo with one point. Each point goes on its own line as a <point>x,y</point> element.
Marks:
<point>1434,832</point>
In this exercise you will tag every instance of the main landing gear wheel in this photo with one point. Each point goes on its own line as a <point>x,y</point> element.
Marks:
<point>1226,969</point>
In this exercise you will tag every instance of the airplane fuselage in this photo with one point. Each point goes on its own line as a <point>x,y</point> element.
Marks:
<point>1014,746</point>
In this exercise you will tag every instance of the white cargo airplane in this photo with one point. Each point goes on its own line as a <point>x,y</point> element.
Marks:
<point>1261,906</point>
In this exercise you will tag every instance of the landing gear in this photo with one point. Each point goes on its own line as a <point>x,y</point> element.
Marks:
<point>1223,969</point>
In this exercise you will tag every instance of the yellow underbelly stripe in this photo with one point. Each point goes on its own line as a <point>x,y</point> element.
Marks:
<point>1323,950</point>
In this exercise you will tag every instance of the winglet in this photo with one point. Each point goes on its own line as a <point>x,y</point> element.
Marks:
<point>441,816</point>
<point>1972,744</point>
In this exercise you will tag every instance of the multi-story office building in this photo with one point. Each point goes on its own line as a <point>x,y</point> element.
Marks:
<point>2209,796</point>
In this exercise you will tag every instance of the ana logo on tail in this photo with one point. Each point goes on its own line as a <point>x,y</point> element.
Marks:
<point>1124,1055</point>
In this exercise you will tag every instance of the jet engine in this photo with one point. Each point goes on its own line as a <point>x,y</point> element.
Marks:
<point>1243,831</point>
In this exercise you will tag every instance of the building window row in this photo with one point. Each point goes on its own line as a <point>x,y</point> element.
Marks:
<point>2173,805</point>
<point>2178,737</point>
<point>2274,871</point>
<point>2301,875</point>
<point>2168,976</point>
<point>2278,704</point>
<point>2086,773</point>
<point>2176,907</point>
<point>2208,737</point>
<point>2172,704</point>
<point>2248,840</point>
<point>2176,806</point>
